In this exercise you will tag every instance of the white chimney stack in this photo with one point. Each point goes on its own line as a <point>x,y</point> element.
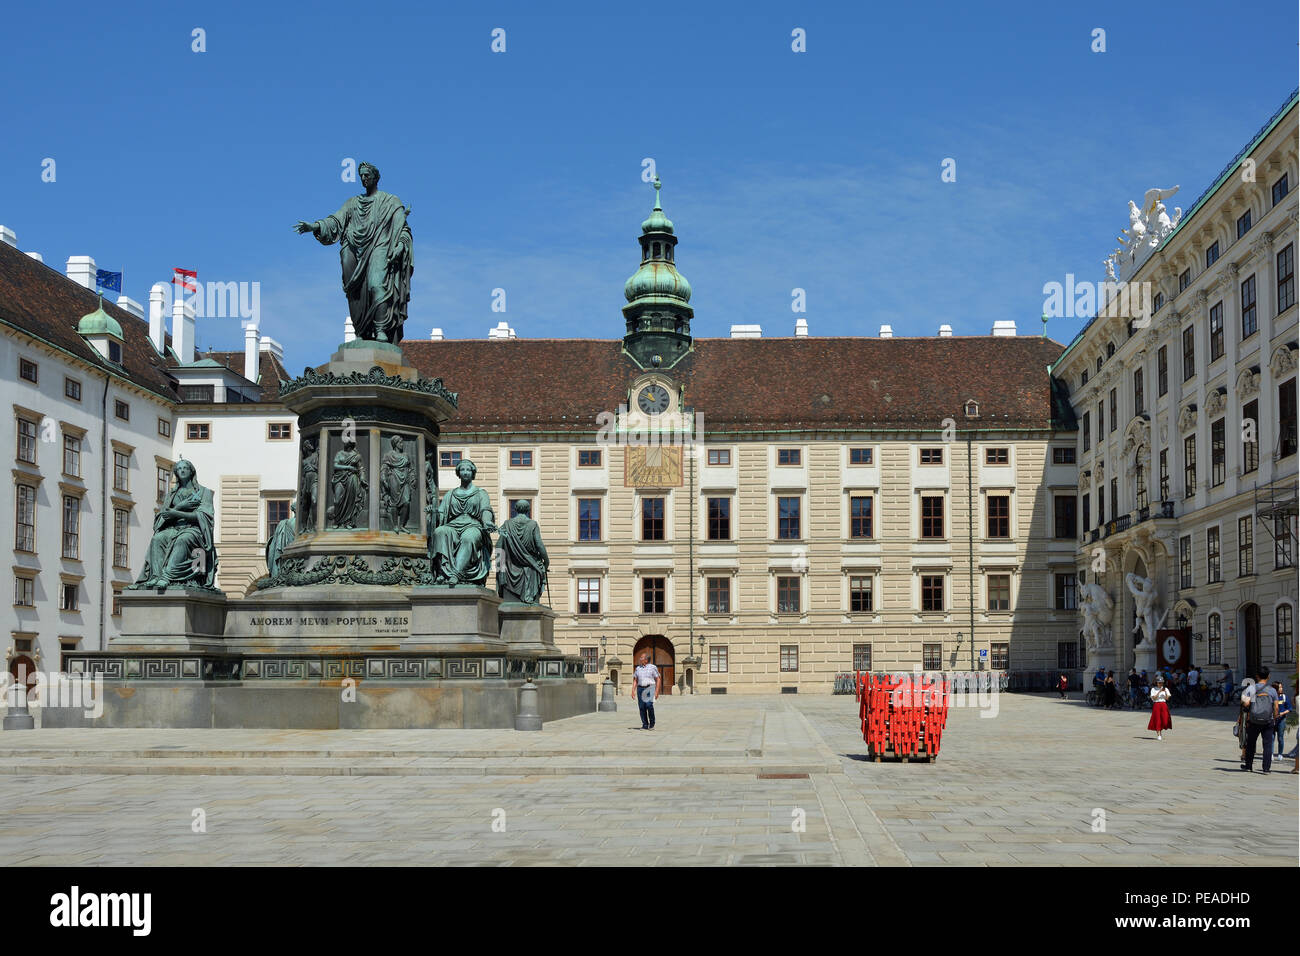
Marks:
<point>746,331</point>
<point>130,305</point>
<point>1004,327</point>
<point>435,335</point>
<point>349,333</point>
<point>183,330</point>
<point>886,331</point>
<point>945,331</point>
<point>250,350</point>
<point>800,326</point>
<point>81,270</point>
<point>8,237</point>
<point>157,324</point>
<point>502,331</point>
<point>272,347</point>
<point>35,255</point>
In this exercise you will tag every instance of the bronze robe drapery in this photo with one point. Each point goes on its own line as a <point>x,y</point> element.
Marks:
<point>525,560</point>
<point>375,252</point>
<point>181,551</point>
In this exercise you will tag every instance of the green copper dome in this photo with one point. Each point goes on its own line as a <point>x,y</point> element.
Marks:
<point>655,280</point>
<point>99,322</point>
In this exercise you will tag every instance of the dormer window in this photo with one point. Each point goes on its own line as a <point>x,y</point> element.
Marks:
<point>972,409</point>
<point>115,352</point>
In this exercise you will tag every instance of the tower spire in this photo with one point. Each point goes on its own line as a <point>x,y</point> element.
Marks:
<point>658,312</point>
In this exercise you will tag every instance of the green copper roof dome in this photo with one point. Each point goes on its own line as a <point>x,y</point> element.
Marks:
<point>655,279</point>
<point>99,322</point>
<point>657,222</point>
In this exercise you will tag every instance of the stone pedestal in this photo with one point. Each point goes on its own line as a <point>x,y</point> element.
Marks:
<point>1145,658</point>
<point>528,627</point>
<point>177,619</point>
<point>460,619</point>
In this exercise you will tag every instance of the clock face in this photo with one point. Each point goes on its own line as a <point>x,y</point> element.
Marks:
<point>653,400</point>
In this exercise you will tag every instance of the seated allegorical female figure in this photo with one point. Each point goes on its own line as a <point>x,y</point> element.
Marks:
<point>460,532</point>
<point>182,552</point>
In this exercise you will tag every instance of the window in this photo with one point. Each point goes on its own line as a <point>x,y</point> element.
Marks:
<point>1218,447</point>
<point>164,428</point>
<point>1086,427</point>
<point>1114,497</point>
<point>999,588</point>
<point>116,610</point>
<point>1189,466</point>
<point>787,520</point>
<point>1086,513</point>
<point>931,656</point>
<point>279,431</point>
<point>862,657</point>
<point>1067,592</point>
<point>1101,422</point>
<point>590,659</point>
<point>1250,449</point>
<point>115,351</point>
<point>121,471</point>
<point>1066,525</point>
<point>1285,618</point>
<point>932,516</point>
<point>121,538</point>
<point>1286,442</point>
<point>860,456</point>
<point>932,456</point>
<point>449,459</point>
<point>653,595</point>
<point>164,483</point>
<point>1283,557</point>
<point>789,456</point>
<point>1100,360</point>
<point>860,593</point>
<point>24,591</point>
<point>1216,331</point>
<point>652,519</point>
<point>588,595</point>
<point>1139,402</point>
<point>71,527</point>
<point>1214,638</point>
<point>718,595</point>
<point>588,519</point>
<point>1114,409</point>
<point>789,657</point>
<point>1063,456</point>
<point>1185,561</point>
<point>1162,370</point>
<point>122,410</point>
<point>1286,278</point>
<point>521,459</point>
<point>1249,318</point>
<point>1110,349</point>
<point>719,456</point>
<point>1164,474</point>
<point>72,389</point>
<point>1281,188</point>
<point>718,659</point>
<point>277,510</point>
<point>198,393</point>
<point>997,456</point>
<point>860,514</point>
<point>1140,484</point>
<point>999,516</point>
<point>719,521</point>
<point>1067,655</point>
<point>588,457</point>
<point>1101,505</point>
<point>25,518</point>
<point>1214,572</point>
<point>1245,546</point>
<point>26,441</point>
<point>1000,655</point>
<point>27,370</point>
<point>1243,224</point>
<point>1184,279</point>
<point>1157,303</point>
<point>1212,254</point>
<point>932,592</point>
<point>787,595</point>
<point>198,431</point>
<point>1189,352</point>
<point>1083,378</point>
<point>72,456</point>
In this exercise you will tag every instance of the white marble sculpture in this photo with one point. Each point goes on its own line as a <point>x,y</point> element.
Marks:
<point>1147,228</point>
<point>1096,606</point>
<point>1144,600</point>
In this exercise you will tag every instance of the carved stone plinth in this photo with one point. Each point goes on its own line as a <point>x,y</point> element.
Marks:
<point>174,620</point>
<point>528,627</point>
<point>454,619</point>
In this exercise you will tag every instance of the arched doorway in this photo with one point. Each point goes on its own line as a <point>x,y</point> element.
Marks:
<point>23,669</point>
<point>1250,641</point>
<point>661,654</point>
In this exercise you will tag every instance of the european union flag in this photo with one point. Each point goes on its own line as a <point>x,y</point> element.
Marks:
<point>108,280</point>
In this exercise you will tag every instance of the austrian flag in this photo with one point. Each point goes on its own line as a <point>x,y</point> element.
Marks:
<point>187,279</point>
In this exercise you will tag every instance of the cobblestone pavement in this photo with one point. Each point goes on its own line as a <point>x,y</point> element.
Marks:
<point>720,781</point>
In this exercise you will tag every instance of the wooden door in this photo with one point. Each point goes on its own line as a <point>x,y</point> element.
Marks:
<point>662,656</point>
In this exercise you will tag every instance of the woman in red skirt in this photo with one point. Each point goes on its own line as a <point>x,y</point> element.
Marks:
<point>1160,720</point>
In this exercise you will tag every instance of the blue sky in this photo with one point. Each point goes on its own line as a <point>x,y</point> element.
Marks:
<point>817,170</point>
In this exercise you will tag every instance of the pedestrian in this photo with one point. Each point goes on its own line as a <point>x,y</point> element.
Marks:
<point>1160,720</point>
<point>1134,685</point>
<point>1109,690</point>
<point>1062,685</point>
<point>1260,703</point>
<point>1239,730</point>
<point>1283,712</point>
<point>646,686</point>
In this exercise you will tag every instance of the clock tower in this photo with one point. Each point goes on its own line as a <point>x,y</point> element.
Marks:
<point>658,310</point>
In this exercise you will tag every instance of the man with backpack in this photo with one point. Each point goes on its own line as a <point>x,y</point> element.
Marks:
<point>1260,702</point>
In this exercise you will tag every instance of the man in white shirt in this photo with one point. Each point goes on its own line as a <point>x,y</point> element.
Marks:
<point>646,684</point>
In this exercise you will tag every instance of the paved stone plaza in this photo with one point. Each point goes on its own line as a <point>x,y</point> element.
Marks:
<point>720,781</point>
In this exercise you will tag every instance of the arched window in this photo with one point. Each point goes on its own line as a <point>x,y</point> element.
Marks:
<point>1110,349</point>
<point>1285,617</point>
<point>1215,639</point>
<point>656,250</point>
<point>1099,361</point>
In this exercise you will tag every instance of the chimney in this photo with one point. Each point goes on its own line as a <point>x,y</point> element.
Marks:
<point>8,237</point>
<point>945,331</point>
<point>435,335</point>
<point>157,324</point>
<point>502,331</point>
<point>800,326</point>
<point>746,331</point>
<point>183,330</point>
<point>349,333</point>
<point>250,350</point>
<point>886,331</point>
<point>1004,327</point>
<point>129,304</point>
<point>35,255</point>
<point>81,270</point>
<point>271,346</point>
